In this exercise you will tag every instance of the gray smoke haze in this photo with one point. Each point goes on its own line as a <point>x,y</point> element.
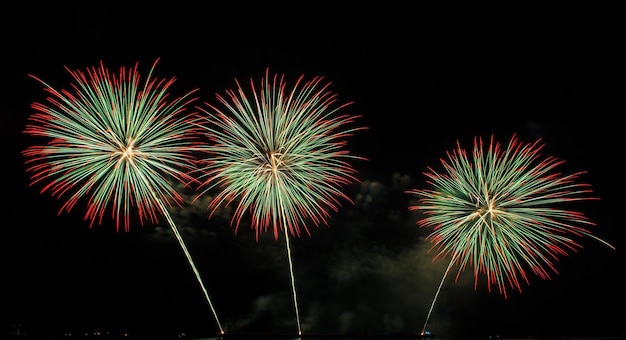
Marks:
<point>369,271</point>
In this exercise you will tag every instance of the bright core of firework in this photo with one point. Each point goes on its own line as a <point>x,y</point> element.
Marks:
<point>501,211</point>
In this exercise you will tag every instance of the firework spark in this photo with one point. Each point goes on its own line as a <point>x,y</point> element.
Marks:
<point>116,141</point>
<point>279,155</point>
<point>501,213</point>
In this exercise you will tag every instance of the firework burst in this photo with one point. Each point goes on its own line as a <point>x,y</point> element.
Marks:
<point>501,212</point>
<point>279,155</point>
<point>116,141</point>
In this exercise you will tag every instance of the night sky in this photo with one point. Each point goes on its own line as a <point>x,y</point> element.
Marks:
<point>421,78</point>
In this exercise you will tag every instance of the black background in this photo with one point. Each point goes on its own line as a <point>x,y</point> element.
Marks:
<point>421,77</point>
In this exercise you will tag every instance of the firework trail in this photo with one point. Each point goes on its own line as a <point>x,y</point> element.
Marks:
<point>279,155</point>
<point>118,142</point>
<point>498,212</point>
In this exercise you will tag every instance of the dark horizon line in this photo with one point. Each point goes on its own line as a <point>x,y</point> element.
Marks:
<point>269,335</point>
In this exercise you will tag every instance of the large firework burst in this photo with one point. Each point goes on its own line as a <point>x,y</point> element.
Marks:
<point>501,211</point>
<point>117,141</point>
<point>279,155</point>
